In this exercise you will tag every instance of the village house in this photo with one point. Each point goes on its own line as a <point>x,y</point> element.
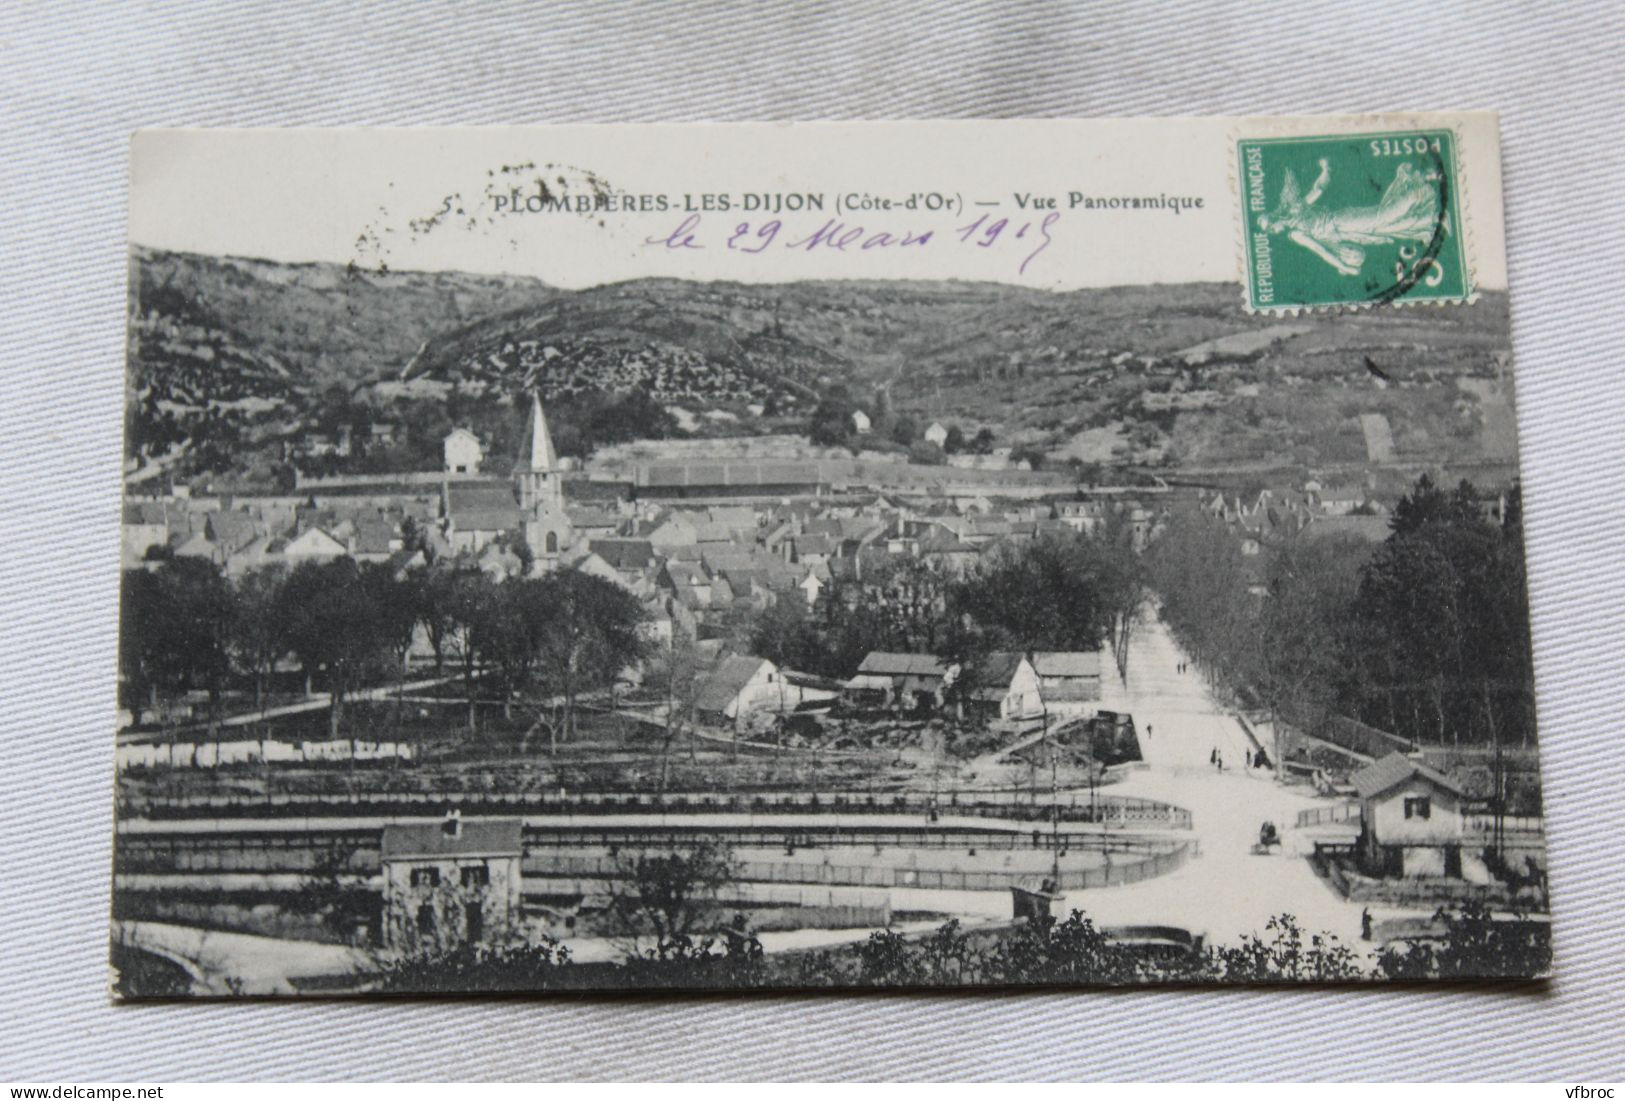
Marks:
<point>860,422</point>
<point>634,559</point>
<point>476,513</point>
<point>462,451</point>
<point>740,685</point>
<point>810,550</point>
<point>594,523</point>
<point>1341,502</point>
<point>594,566</point>
<point>953,557</point>
<point>908,682</point>
<point>1069,680</point>
<point>146,525</point>
<point>231,532</point>
<point>1006,687</point>
<point>451,882</point>
<point>673,529</point>
<point>936,434</point>
<point>314,545</point>
<point>1410,819</point>
<point>1084,516</point>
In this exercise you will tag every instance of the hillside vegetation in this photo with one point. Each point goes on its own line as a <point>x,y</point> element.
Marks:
<point>239,356</point>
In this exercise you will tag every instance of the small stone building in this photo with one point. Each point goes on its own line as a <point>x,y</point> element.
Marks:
<point>450,882</point>
<point>907,682</point>
<point>463,453</point>
<point>1007,688</point>
<point>1410,819</point>
<point>1070,681</point>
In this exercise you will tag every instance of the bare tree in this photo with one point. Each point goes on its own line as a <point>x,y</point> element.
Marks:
<point>660,898</point>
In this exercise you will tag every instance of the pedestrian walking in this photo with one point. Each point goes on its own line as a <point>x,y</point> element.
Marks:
<point>1213,756</point>
<point>1365,923</point>
<point>1148,732</point>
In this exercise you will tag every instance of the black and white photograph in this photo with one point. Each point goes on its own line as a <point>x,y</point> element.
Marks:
<point>727,558</point>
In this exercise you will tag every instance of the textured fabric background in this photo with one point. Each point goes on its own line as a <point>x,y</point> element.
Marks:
<point>76,78</point>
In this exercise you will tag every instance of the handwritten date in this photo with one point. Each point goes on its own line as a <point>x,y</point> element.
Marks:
<point>1022,239</point>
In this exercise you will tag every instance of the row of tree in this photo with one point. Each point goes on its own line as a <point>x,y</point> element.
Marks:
<point>188,628</point>
<point>1425,635</point>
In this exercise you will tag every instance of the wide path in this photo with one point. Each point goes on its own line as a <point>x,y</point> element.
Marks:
<point>1226,892</point>
<point>317,701</point>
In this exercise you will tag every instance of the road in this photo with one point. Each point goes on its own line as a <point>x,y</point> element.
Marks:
<point>1225,892</point>
<point>318,701</point>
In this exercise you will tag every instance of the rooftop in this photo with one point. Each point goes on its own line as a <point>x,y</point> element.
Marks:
<point>896,665</point>
<point>1396,769</point>
<point>473,837</point>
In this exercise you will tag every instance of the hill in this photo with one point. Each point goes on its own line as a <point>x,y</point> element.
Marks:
<point>244,355</point>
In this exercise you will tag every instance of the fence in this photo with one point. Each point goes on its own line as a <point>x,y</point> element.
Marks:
<point>1319,816</point>
<point>273,854</point>
<point>881,876</point>
<point>1073,806</point>
<point>1345,733</point>
<point>1510,824</point>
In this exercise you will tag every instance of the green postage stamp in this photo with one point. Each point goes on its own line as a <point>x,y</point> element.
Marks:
<point>1352,220</point>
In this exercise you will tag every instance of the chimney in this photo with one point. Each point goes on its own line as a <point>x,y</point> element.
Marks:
<point>453,825</point>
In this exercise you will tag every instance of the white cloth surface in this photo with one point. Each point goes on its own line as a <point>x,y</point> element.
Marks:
<point>76,78</point>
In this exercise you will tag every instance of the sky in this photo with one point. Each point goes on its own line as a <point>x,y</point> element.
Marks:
<point>966,198</point>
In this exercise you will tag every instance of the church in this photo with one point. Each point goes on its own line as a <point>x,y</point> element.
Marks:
<point>539,482</point>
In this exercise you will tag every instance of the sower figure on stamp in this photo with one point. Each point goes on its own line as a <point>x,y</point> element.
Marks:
<point>1407,211</point>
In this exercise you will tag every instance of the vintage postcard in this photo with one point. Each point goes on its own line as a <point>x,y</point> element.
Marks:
<point>822,556</point>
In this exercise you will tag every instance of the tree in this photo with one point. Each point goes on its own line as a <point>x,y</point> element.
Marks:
<point>455,604</point>
<point>470,968</point>
<point>176,631</point>
<point>905,430</point>
<point>1031,454</point>
<point>1475,945</point>
<point>141,642</point>
<point>1441,615</point>
<point>681,674</point>
<point>1287,957</point>
<point>954,443</point>
<point>507,634</point>
<point>1054,593</point>
<point>334,625</point>
<point>926,453</point>
<point>338,894</point>
<point>258,639</point>
<point>785,634</point>
<point>1303,651</point>
<point>663,896</point>
<point>394,601</point>
<point>1203,580</point>
<point>1123,583</point>
<point>585,631</point>
<point>982,442</point>
<point>831,424</point>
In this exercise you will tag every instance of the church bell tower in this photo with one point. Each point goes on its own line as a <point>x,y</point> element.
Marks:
<point>541,491</point>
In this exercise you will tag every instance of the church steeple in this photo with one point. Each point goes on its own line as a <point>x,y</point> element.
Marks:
<point>540,445</point>
<point>541,493</point>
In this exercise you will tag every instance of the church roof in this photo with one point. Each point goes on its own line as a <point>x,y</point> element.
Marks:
<point>538,454</point>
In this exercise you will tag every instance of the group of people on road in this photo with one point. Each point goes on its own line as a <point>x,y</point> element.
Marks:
<point>1249,758</point>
